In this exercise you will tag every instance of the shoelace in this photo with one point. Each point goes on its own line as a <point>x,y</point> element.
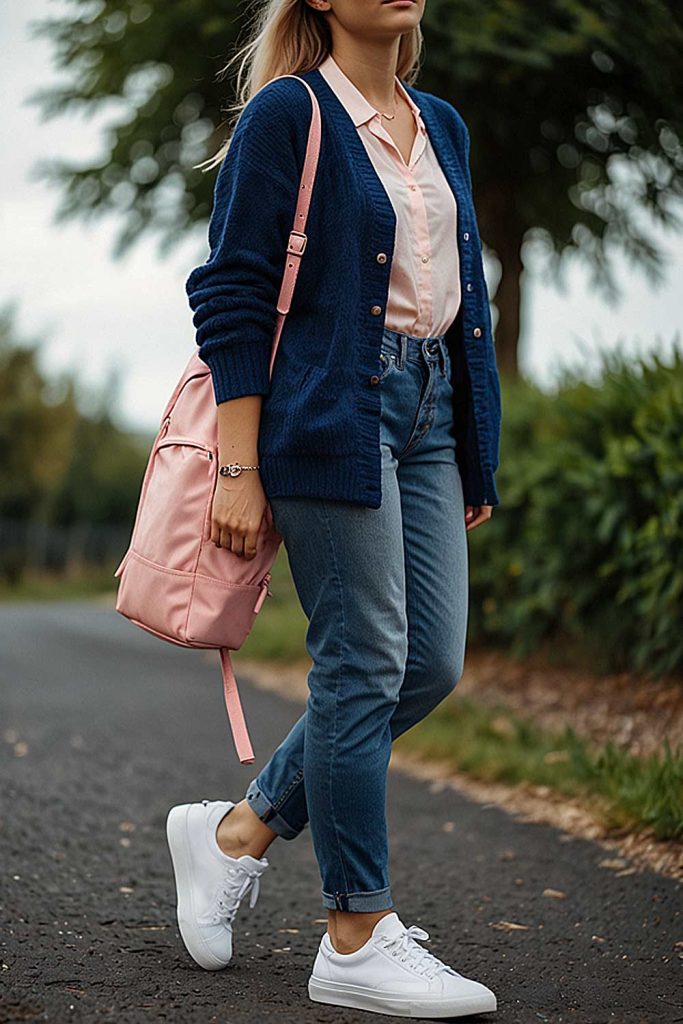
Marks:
<point>421,960</point>
<point>233,887</point>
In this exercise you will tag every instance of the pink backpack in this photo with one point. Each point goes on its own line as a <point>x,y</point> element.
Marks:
<point>174,582</point>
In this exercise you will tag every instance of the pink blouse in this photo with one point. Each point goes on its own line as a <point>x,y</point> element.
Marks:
<point>424,284</point>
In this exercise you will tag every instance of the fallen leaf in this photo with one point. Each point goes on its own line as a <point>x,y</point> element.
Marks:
<point>510,926</point>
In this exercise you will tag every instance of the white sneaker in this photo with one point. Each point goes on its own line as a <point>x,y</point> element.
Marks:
<point>210,885</point>
<point>392,974</point>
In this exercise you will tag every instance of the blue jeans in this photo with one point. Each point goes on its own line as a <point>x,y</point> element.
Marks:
<point>385,592</point>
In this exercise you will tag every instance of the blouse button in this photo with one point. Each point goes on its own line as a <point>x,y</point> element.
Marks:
<point>375,310</point>
<point>381,257</point>
<point>425,259</point>
<point>477,332</point>
<point>374,379</point>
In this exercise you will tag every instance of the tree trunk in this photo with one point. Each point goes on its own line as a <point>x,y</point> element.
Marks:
<point>502,231</point>
<point>508,301</point>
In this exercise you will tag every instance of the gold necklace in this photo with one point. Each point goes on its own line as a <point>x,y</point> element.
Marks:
<point>389,117</point>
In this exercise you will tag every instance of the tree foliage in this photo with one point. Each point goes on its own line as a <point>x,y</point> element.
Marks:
<point>575,111</point>
<point>59,464</point>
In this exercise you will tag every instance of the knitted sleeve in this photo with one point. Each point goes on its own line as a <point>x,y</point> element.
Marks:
<point>233,294</point>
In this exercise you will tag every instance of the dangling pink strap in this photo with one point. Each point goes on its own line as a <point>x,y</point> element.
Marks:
<point>240,733</point>
<point>295,250</point>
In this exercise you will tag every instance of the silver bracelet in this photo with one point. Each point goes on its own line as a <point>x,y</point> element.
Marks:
<point>234,469</point>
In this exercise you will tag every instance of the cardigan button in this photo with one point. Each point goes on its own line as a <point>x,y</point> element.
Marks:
<point>375,310</point>
<point>374,379</point>
<point>381,257</point>
<point>469,286</point>
<point>466,236</point>
<point>477,332</point>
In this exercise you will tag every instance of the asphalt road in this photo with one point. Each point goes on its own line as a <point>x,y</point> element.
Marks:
<point>103,728</point>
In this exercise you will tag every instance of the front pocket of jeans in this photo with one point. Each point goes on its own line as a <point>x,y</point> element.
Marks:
<point>387,362</point>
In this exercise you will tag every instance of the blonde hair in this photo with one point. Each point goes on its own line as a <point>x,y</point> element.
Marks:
<point>288,37</point>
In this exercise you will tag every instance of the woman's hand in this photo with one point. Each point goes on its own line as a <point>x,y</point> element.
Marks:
<point>475,515</point>
<point>237,513</point>
<point>239,502</point>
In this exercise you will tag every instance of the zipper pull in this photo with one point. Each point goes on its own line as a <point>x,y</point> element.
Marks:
<point>263,595</point>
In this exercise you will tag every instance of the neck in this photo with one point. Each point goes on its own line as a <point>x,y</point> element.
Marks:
<point>371,67</point>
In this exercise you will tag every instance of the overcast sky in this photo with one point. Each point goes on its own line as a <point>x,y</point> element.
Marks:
<point>94,313</point>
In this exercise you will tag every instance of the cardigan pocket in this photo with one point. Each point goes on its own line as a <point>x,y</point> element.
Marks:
<point>312,415</point>
<point>322,421</point>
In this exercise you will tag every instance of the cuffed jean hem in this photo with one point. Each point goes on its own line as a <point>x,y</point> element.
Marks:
<point>263,808</point>
<point>363,902</point>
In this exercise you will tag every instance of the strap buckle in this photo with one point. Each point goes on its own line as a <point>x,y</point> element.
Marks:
<point>297,243</point>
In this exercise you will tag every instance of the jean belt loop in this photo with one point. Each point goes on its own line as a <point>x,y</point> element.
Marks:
<point>403,345</point>
<point>442,355</point>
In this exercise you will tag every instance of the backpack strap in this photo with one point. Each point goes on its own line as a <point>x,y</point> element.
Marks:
<point>238,725</point>
<point>297,236</point>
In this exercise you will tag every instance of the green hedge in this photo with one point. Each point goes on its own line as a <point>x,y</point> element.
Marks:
<point>584,555</point>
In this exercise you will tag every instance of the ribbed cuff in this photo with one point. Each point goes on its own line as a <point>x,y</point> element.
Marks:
<point>238,369</point>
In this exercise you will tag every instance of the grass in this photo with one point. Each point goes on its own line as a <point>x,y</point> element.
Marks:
<point>45,586</point>
<point>493,745</point>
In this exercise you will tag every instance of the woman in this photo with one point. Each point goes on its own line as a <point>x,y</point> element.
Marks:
<point>371,450</point>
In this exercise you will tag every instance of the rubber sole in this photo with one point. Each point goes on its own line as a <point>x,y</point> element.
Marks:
<point>181,858</point>
<point>360,998</point>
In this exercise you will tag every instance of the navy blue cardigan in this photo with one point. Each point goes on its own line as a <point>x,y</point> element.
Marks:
<point>320,417</point>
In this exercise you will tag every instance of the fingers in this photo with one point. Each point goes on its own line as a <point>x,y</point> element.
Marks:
<point>242,543</point>
<point>475,515</point>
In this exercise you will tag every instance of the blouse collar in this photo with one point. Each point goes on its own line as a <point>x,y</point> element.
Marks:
<point>359,109</point>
